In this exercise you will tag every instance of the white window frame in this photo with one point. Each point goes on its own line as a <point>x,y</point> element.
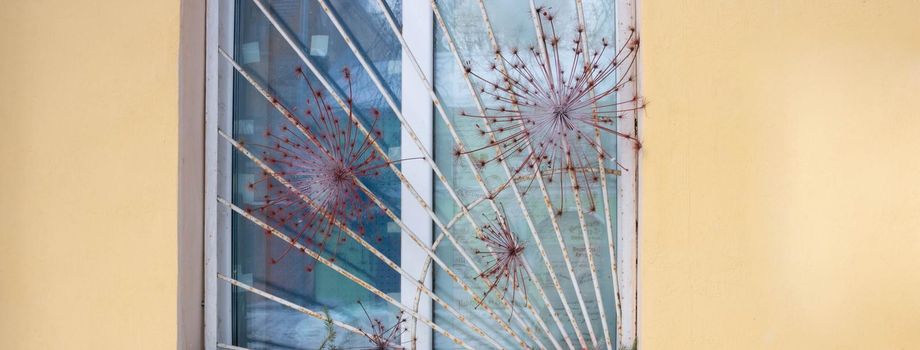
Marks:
<point>417,22</point>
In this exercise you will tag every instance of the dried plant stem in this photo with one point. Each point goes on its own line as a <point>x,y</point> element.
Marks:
<point>587,239</point>
<point>288,115</point>
<point>285,112</point>
<point>541,37</point>
<point>316,256</point>
<point>465,209</point>
<point>476,298</point>
<point>284,33</point>
<point>529,177</point>
<point>348,231</point>
<point>442,113</point>
<point>439,107</point>
<point>546,197</point>
<point>549,206</point>
<point>518,196</point>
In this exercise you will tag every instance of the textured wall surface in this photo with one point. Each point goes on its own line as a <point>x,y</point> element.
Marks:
<point>780,204</point>
<point>88,117</point>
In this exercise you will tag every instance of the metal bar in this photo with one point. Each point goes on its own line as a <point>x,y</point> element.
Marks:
<point>439,107</point>
<point>413,135</point>
<point>341,271</point>
<point>541,39</point>
<point>292,43</point>
<point>418,293</point>
<point>317,315</point>
<point>579,6</point>
<point>504,165</point>
<point>287,114</point>
<point>342,226</point>
<point>546,200</point>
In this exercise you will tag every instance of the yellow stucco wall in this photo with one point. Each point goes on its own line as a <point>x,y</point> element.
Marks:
<point>88,115</point>
<point>780,204</point>
<point>781,175</point>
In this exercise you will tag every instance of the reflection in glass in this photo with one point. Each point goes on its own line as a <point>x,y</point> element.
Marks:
<point>256,257</point>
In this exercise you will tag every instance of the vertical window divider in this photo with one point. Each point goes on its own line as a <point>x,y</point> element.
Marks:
<point>418,31</point>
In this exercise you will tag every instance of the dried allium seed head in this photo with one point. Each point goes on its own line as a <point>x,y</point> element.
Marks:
<point>384,337</point>
<point>321,158</point>
<point>505,259</point>
<point>552,105</point>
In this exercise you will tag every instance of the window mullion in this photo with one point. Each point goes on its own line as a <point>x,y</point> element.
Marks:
<point>417,29</point>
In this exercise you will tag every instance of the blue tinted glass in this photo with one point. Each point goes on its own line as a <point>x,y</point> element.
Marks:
<point>266,262</point>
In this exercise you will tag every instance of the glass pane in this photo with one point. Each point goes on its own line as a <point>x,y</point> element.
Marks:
<point>265,261</point>
<point>514,28</point>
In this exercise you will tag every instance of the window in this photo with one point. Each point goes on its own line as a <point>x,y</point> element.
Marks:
<point>430,193</point>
